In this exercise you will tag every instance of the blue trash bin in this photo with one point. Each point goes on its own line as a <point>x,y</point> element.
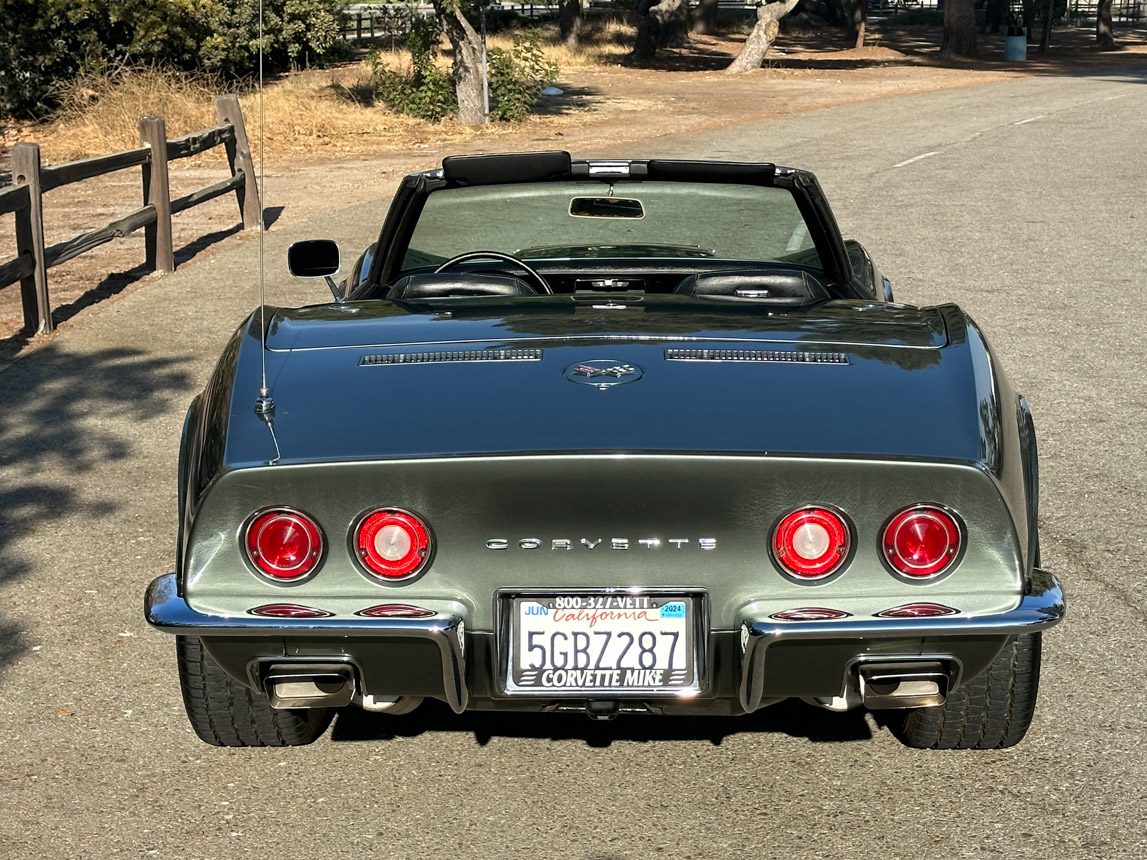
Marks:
<point>1016,45</point>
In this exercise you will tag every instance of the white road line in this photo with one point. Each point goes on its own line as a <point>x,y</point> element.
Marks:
<point>917,158</point>
<point>1030,119</point>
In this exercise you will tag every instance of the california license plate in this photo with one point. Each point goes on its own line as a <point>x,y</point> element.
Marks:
<point>603,643</point>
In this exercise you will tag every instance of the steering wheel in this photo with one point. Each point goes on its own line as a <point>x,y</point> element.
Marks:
<point>496,255</point>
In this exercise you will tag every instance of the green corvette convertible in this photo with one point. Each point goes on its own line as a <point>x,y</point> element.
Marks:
<point>613,437</point>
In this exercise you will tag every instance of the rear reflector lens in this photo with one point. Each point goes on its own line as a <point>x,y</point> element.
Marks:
<point>396,610</point>
<point>284,545</point>
<point>392,544</point>
<point>917,610</point>
<point>921,542</point>
<point>811,543</point>
<point>810,613</point>
<point>289,610</point>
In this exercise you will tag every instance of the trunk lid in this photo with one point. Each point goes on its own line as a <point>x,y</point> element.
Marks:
<point>374,381</point>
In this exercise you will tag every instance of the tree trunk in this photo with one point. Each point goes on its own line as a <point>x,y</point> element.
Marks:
<point>762,38</point>
<point>996,12</point>
<point>1104,35</point>
<point>663,24</point>
<point>706,20</point>
<point>467,69</point>
<point>569,22</point>
<point>836,14</point>
<point>858,20</point>
<point>959,29</point>
<point>1029,9</point>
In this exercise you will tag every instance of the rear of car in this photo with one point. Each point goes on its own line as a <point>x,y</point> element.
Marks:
<point>634,436</point>
<point>628,506</point>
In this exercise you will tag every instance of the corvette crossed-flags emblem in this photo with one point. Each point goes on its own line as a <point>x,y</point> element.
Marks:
<point>617,371</point>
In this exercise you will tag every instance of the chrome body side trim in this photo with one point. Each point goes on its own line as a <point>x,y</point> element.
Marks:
<point>166,610</point>
<point>1043,607</point>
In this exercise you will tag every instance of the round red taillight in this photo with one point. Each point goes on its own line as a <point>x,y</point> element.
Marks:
<point>921,542</point>
<point>284,545</point>
<point>811,543</point>
<point>392,544</point>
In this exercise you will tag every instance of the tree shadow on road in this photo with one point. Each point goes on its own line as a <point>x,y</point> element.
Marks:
<point>792,718</point>
<point>56,407</point>
<point>573,99</point>
<point>1072,53</point>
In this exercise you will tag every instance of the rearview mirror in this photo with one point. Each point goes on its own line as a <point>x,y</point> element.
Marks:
<point>606,207</point>
<point>314,258</point>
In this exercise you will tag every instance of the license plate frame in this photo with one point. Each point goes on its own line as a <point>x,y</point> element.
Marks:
<point>507,601</point>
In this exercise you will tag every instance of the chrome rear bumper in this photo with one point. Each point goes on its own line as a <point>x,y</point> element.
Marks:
<point>1043,607</point>
<point>166,610</point>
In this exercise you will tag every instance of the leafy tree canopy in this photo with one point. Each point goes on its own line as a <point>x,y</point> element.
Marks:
<point>46,42</point>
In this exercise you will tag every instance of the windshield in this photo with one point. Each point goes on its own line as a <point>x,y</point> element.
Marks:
<point>648,220</point>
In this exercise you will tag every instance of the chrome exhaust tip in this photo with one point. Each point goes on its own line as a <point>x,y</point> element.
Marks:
<point>309,685</point>
<point>903,685</point>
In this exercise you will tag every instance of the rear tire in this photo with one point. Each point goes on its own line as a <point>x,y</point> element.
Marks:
<point>225,713</point>
<point>991,711</point>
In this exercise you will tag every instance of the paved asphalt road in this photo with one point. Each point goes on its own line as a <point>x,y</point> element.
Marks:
<point>1022,201</point>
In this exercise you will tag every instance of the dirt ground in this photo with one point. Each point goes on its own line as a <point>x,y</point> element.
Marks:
<point>601,109</point>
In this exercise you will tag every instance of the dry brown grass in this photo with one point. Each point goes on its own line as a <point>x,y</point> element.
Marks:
<point>318,112</point>
<point>604,42</point>
<point>323,111</point>
<point>100,113</point>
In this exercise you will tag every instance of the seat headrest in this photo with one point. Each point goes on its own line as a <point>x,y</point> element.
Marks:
<point>435,285</point>
<point>781,286</point>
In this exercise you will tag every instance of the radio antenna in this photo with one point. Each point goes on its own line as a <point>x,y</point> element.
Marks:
<point>264,405</point>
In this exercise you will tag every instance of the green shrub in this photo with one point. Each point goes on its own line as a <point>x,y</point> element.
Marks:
<point>297,33</point>
<point>424,91</point>
<point>45,42</point>
<point>518,76</point>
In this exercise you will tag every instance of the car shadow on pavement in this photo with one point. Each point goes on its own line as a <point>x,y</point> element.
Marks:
<point>63,417</point>
<point>792,718</point>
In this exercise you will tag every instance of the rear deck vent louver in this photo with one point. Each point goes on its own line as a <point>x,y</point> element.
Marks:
<point>757,355</point>
<point>451,357</point>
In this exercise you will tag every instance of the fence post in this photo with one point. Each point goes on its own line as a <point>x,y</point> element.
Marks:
<point>239,157</point>
<point>157,192</point>
<point>30,237</point>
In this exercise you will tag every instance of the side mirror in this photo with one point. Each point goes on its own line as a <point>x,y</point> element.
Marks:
<point>314,258</point>
<point>863,269</point>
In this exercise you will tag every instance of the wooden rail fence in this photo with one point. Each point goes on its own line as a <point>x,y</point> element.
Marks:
<point>31,181</point>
